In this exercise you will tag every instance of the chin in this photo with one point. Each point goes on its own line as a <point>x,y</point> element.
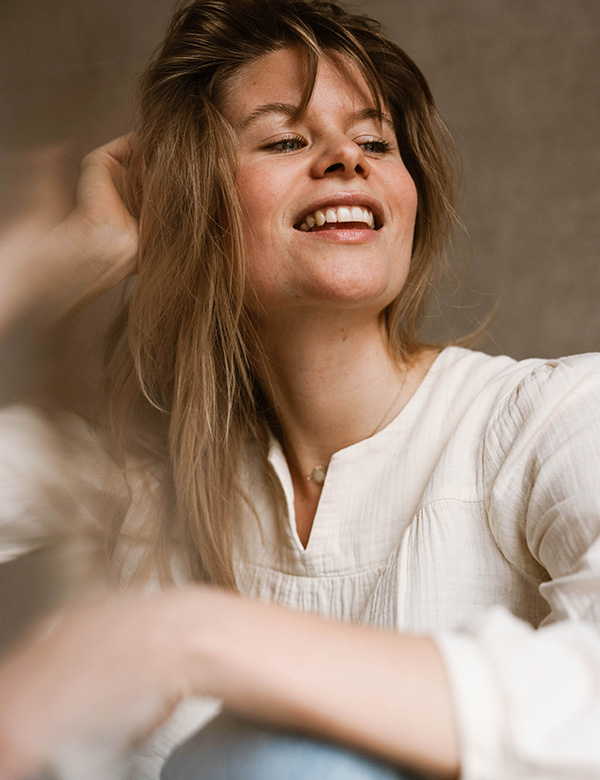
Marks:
<point>356,285</point>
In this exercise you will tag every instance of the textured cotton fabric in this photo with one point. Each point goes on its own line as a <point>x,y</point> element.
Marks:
<point>473,517</point>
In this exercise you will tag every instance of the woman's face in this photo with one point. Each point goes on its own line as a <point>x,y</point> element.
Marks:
<point>329,207</point>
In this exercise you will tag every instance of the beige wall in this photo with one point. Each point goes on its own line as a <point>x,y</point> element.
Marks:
<point>519,85</point>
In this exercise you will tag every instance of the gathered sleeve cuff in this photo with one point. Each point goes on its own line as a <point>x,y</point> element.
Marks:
<point>527,702</point>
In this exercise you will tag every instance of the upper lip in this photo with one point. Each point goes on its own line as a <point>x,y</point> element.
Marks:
<point>344,199</point>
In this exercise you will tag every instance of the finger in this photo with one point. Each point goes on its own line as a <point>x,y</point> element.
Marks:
<point>105,165</point>
<point>119,149</point>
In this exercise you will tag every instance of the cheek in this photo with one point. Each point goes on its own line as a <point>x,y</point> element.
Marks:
<point>258,197</point>
<point>407,204</point>
<point>401,192</point>
<point>407,193</point>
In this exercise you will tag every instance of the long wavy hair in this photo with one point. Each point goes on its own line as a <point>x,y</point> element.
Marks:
<point>182,384</point>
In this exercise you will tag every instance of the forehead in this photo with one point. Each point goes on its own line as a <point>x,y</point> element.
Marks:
<point>280,78</point>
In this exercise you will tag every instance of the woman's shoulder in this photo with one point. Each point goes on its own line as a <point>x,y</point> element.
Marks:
<point>512,383</point>
<point>544,433</point>
<point>540,392</point>
<point>493,401</point>
<point>541,459</point>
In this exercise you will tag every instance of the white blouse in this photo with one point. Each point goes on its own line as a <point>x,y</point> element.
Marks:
<point>473,517</point>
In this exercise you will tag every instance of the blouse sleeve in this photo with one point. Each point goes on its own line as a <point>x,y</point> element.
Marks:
<point>56,481</point>
<point>528,700</point>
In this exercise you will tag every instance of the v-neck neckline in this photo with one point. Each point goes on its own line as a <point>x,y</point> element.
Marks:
<point>364,448</point>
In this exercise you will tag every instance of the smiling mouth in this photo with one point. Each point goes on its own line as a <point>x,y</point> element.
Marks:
<point>338,218</point>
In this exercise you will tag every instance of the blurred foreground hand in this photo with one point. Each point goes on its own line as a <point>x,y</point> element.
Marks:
<point>91,679</point>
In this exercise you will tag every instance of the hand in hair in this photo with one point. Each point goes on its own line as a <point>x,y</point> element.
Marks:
<point>100,212</point>
<point>87,254</point>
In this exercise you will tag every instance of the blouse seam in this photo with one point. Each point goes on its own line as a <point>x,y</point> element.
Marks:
<point>449,498</point>
<point>337,575</point>
<point>523,384</point>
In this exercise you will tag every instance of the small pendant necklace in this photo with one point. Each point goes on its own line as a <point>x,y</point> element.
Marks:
<point>318,474</point>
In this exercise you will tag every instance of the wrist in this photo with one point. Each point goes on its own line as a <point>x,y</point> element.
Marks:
<point>214,653</point>
<point>239,651</point>
<point>81,260</point>
<point>101,244</point>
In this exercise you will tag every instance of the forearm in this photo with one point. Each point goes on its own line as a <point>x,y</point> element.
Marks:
<point>116,664</point>
<point>382,692</point>
<point>56,277</point>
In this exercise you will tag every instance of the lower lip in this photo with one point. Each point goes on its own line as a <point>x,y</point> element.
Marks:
<point>354,236</point>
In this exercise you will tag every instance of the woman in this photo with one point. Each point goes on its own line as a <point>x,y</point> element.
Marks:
<point>294,196</point>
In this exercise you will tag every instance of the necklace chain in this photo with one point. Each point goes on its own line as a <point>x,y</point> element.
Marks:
<point>318,474</point>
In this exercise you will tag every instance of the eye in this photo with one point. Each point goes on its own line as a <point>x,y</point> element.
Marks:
<point>285,145</point>
<point>375,146</point>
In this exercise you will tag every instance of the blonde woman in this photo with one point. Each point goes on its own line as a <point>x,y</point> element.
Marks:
<point>286,435</point>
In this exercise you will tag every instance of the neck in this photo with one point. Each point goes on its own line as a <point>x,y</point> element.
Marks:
<point>331,384</point>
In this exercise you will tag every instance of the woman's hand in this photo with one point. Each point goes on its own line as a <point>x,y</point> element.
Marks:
<point>103,670</point>
<point>84,256</point>
<point>100,215</point>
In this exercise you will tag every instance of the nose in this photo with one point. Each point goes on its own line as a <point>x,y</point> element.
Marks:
<point>340,156</point>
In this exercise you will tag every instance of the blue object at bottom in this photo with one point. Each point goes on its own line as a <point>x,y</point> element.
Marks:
<point>230,748</point>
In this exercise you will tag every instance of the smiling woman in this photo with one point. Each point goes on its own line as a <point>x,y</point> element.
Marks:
<point>281,430</point>
<point>315,110</point>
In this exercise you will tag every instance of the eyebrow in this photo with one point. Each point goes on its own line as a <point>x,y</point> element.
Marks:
<point>290,110</point>
<point>286,109</point>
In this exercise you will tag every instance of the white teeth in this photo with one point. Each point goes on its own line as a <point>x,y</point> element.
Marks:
<point>344,214</point>
<point>334,214</point>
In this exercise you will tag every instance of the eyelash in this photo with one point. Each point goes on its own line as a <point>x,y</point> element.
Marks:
<point>381,146</point>
<point>272,146</point>
<point>378,146</point>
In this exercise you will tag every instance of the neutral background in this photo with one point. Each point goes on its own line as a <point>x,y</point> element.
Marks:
<point>518,83</point>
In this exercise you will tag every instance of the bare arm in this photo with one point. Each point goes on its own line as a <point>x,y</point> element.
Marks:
<point>382,692</point>
<point>119,664</point>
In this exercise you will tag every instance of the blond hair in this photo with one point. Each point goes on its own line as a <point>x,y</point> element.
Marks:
<point>180,367</point>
